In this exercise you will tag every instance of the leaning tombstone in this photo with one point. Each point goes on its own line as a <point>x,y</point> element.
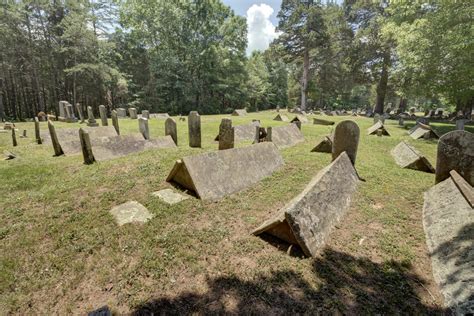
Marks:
<point>146,114</point>
<point>24,134</point>
<point>194,128</point>
<point>86,147</point>
<point>54,139</point>
<point>15,143</point>
<point>90,118</point>
<point>103,115</point>
<point>346,139</point>
<point>133,113</point>
<point>408,157</point>
<point>456,152</point>
<point>79,110</point>
<point>39,141</point>
<point>171,129</point>
<point>226,134</point>
<point>115,121</point>
<point>70,117</point>
<point>143,127</point>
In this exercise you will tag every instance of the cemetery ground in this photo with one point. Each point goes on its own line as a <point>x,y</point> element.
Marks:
<point>62,252</point>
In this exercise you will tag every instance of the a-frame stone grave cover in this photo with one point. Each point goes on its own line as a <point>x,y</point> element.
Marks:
<point>281,118</point>
<point>308,219</point>
<point>325,145</point>
<point>239,112</point>
<point>423,131</point>
<point>214,175</point>
<point>285,136</point>
<point>374,128</point>
<point>318,121</point>
<point>408,157</point>
<point>300,117</point>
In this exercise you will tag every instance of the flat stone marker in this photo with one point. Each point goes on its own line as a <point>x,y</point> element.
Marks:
<point>284,136</point>
<point>169,196</point>
<point>300,118</point>
<point>322,122</point>
<point>143,127</point>
<point>240,112</point>
<point>171,129</point>
<point>308,219</point>
<point>423,131</point>
<point>226,134</point>
<point>244,132</point>
<point>214,175</point>
<point>133,113</point>
<point>130,212</point>
<point>346,139</point>
<point>146,114</point>
<point>90,117</point>
<point>281,118</point>
<point>456,152</point>
<point>194,129</point>
<point>325,145</point>
<point>408,157</point>
<point>103,115</point>
<point>448,221</point>
<point>377,126</point>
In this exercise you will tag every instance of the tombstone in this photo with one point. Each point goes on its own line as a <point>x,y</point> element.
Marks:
<point>54,139</point>
<point>401,122</point>
<point>278,108</point>
<point>133,113</point>
<point>423,131</point>
<point>226,134</point>
<point>317,121</point>
<point>90,118</point>
<point>325,145</point>
<point>213,175</point>
<point>244,132</point>
<point>298,124</point>
<point>377,129</point>
<point>300,118</point>
<point>79,110</point>
<point>408,157</point>
<point>308,219</point>
<point>169,196</point>
<point>39,141</point>
<point>15,143</point>
<point>86,147</point>
<point>143,127</point>
<point>62,110</point>
<point>439,112</point>
<point>240,112</point>
<point>171,129</point>
<point>456,152</point>
<point>8,155</point>
<point>146,114</point>
<point>194,129</point>
<point>281,118</point>
<point>70,116</point>
<point>115,121</point>
<point>460,124</point>
<point>378,117</point>
<point>121,112</point>
<point>24,134</point>
<point>423,120</point>
<point>346,139</point>
<point>103,115</point>
<point>130,212</point>
<point>284,136</point>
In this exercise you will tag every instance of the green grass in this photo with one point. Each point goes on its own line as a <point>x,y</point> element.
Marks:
<point>61,251</point>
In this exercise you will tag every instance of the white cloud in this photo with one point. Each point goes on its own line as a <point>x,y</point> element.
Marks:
<point>260,29</point>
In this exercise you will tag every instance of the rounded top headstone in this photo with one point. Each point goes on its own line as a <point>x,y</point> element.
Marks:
<point>346,138</point>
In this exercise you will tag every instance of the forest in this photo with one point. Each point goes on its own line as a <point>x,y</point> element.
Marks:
<point>177,56</point>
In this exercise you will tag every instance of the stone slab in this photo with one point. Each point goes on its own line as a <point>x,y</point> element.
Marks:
<point>243,132</point>
<point>423,131</point>
<point>214,175</point>
<point>324,146</point>
<point>408,157</point>
<point>285,136</point>
<point>308,219</point>
<point>130,212</point>
<point>322,122</point>
<point>465,188</point>
<point>300,118</point>
<point>448,221</point>
<point>160,116</point>
<point>169,196</point>
<point>281,118</point>
<point>239,112</point>
<point>377,126</point>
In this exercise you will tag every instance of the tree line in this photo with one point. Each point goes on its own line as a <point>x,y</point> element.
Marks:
<point>177,56</point>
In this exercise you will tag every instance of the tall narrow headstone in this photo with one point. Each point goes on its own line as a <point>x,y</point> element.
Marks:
<point>79,111</point>
<point>346,138</point>
<point>62,110</point>
<point>460,124</point>
<point>146,114</point>
<point>86,147</point>
<point>194,128</point>
<point>103,115</point>
<point>143,127</point>
<point>54,139</point>
<point>39,141</point>
<point>70,116</point>
<point>226,134</point>
<point>171,129</point>
<point>90,117</point>
<point>456,152</point>
<point>115,121</point>
<point>133,113</point>
<point>15,143</point>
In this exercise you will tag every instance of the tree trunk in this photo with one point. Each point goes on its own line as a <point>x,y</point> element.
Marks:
<point>2,108</point>
<point>403,105</point>
<point>304,80</point>
<point>382,85</point>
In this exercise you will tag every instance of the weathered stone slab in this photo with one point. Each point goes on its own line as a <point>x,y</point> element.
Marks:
<point>133,113</point>
<point>239,112</point>
<point>465,188</point>
<point>62,110</point>
<point>169,196</point>
<point>121,112</point>
<point>346,139</point>
<point>14,141</point>
<point>214,175</point>
<point>194,129</point>
<point>325,145</point>
<point>408,157</point>
<point>90,117</point>
<point>115,121</point>
<point>244,132</point>
<point>146,114</point>
<point>460,124</point>
<point>103,115</point>
<point>308,219</point>
<point>171,129</point>
<point>226,134</point>
<point>456,152</point>
<point>322,122</point>
<point>70,116</point>
<point>80,112</point>
<point>281,118</point>
<point>130,212</point>
<point>377,126</point>
<point>86,147</point>
<point>143,127</point>
<point>300,118</point>
<point>423,131</point>
<point>284,136</point>
<point>38,138</point>
<point>448,221</point>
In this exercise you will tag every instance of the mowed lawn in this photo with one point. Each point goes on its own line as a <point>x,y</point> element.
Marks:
<point>61,251</point>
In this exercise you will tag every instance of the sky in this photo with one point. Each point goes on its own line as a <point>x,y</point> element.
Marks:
<point>261,21</point>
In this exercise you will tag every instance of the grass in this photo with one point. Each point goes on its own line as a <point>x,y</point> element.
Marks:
<point>61,251</point>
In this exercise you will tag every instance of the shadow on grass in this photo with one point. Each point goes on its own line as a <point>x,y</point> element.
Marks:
<point>348,285</point>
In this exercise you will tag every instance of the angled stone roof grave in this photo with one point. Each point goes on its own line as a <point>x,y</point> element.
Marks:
<point>325,145</point>
<point>284,136</point>
<point>308,219</point>
<point>377,126</point>
<point>301,118</point>
<point>448,221</point>
<point>239,112</point>
<point>423,131</point>
<point>243,132</point>
<point>281,118</point>
<point>408,157</point>
<point>214,175</point>
<point>322,122</point>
